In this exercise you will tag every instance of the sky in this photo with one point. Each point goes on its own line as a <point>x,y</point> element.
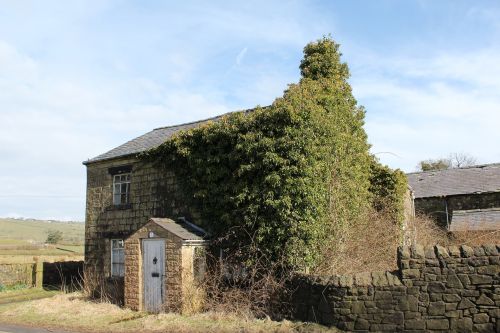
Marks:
<point>78,78</point>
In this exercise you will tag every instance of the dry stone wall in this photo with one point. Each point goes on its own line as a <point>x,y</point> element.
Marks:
<point>435,289</point>
<point>12,274</point>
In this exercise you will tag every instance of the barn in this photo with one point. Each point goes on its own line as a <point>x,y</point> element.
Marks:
<point>461,199</point>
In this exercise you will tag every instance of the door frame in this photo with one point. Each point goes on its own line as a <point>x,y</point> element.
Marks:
<point>162,274</point>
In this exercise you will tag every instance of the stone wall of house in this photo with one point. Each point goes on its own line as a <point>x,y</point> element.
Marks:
<point>152,194</point>
<point>173,269</point>
<point>133,275</point>
<point>436,207</point>
<point>435,289</point>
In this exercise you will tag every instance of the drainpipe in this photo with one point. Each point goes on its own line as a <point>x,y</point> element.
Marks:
<point>447,215</point>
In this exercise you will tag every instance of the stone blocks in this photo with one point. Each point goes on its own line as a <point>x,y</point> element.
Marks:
<point>455,289</point>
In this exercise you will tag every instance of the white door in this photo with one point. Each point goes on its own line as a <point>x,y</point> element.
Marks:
<point>153,261</point>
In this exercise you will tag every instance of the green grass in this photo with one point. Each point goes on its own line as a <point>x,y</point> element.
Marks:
<point>22,294</point>
<point>13,230</point>
<point>74,312</point>
<point>27,237</point>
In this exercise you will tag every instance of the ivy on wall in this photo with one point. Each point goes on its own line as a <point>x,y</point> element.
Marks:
<point>290,176</point>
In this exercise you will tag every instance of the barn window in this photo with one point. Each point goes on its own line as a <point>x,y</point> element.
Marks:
<point>117,257</point>
<point>121,189</point>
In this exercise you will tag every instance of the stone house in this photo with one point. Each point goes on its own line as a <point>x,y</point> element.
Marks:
<point>462,199</point>
<point>124,196</point>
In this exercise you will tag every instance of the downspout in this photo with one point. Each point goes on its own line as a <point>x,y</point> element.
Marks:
<point>447,215</point>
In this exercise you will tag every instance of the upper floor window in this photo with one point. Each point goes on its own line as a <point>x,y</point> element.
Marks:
<point>121,189</point>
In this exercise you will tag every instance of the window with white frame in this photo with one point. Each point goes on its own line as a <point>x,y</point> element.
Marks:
<point>117,257</point>
<point>121,189</point>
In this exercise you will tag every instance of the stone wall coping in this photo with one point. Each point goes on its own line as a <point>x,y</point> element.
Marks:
<point>438,251</point>
<point>363,279</point>
<point>387,278</point>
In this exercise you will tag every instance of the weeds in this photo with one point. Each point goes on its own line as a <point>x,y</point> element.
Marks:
<point>94,286</point>
<point>244,281</point>
<point>370,244</point>
<point>17,286</point>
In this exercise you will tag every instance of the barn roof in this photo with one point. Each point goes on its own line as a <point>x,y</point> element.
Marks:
<point>469,180</point>
<point>182,228</point>
<point>152,139</point>
<point>475,220</point>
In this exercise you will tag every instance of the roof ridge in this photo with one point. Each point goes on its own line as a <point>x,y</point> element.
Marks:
<point>491,209</point>
<point>211,118</point>
<point>477,166</point>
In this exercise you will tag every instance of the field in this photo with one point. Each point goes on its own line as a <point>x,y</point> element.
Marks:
<point>37,230</point>
<point>21,240</point>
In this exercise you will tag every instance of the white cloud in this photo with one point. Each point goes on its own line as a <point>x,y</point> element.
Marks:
<point>49,125</point>
<point>241,55</point>
<point>430,107</point>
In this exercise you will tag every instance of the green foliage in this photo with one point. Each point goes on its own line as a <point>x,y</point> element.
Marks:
<point>438,164</point>
<point>17,286</point>
<point>288,177</point>
<point>388,188</point>
<point>54,236</point>
<point>454,160</point>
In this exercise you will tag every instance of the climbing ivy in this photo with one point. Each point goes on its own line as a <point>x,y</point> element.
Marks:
<point>389,188</point>
<point>290,176</point>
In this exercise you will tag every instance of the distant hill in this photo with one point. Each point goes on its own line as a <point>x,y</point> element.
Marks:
<point>31,230</point>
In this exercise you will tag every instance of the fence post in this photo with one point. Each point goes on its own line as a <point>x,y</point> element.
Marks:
<point>39,274</point>
<point>28,270</point>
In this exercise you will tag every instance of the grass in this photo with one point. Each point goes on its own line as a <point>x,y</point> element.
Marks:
<point>35,231</point>
<point>13,295</point>
<point>73,312</point>
<point>20,240</point>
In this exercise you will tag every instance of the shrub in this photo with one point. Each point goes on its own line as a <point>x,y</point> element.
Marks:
<point>54,236</point>
<point>388,188</point>
<point>290,177</point>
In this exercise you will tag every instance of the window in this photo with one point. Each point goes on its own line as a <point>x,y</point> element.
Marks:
<point>121,189</point>
<point>117,258</point>
<point>199,264</point>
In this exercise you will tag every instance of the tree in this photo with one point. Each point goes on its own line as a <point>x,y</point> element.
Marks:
<point>54,236</point>
<point>453,161</point>
<point>437,164</point>
<point>461,160</point>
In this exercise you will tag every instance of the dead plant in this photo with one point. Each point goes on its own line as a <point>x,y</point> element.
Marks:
<point>241,280</point>
<point>94,286</point>
<point>371,242</point>
<point>368,244</point>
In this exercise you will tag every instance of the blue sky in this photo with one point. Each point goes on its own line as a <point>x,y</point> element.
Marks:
<point>78,78</point>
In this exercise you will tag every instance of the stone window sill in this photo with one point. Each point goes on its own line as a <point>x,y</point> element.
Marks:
<point>116,278</point>
<point>119,207</point>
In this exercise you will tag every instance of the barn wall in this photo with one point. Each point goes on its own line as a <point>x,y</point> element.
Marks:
<point>436,206</point>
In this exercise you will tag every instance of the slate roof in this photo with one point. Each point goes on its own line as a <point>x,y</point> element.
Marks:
<point>152,139</point>
<point>182,228</point>
<point>470,180</point>
<point>475,220</point>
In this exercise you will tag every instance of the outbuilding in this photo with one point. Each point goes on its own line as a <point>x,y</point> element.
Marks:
<point>164,261</point>
<point>462,199</point>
